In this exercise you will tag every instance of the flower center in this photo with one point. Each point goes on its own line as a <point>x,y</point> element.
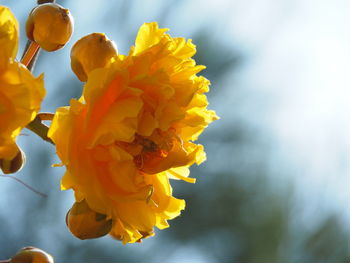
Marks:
<point>148,146</point>
<point>150,151</point>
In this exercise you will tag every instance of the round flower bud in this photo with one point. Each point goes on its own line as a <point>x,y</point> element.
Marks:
<point>14,165</point>
<point>32,255</point>
<point>91,52</point>
<point>85,223</point>
<point>49,25</point>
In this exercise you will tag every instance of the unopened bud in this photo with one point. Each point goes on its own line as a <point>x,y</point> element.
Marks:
<point>49,25</point>
<point>85,223</point>
<point>31,255</point>
<point>14,165</point>
<point>91,52</point>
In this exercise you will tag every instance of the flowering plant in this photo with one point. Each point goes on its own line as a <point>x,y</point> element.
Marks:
<point>132,130</point>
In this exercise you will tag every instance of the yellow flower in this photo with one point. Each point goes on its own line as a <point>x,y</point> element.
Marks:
<point>132,129</point>
<point>20,93</point>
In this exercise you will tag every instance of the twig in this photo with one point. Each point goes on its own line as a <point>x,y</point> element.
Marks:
<point>45,116</point>
<point>45,1</point>
<point>26,185</point>
<point>39,129</point>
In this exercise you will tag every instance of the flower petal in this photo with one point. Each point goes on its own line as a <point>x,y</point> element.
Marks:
<point>20,97</point>
<point>8,36</point>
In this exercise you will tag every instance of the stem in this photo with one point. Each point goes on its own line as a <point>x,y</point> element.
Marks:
<point>5,261</point>
<point>39,129</point>
<point>29,54</point>
<point>45,116</point>
<point>43,2</point>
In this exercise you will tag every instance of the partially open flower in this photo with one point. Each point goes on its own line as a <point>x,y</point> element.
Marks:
<point>85,223</point>
<point>133,128</point>
<point>31,255</point>
<point>91,52</point>
<point>50,25</point>
<point>20,92</point>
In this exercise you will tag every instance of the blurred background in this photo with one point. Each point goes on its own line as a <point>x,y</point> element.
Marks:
<point>275,185</point>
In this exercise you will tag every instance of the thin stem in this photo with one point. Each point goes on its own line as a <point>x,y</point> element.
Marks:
<point>39,129</point>
<point>26,185</point>
<point>29,54</point>
<point>43,2</point>
<point>5,261</point>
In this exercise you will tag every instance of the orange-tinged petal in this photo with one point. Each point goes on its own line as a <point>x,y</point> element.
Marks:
<point>147,124</point>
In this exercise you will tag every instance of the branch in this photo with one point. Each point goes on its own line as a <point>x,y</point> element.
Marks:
<point>43,2</point>
<point>30,55</point>
<point>39,129</point>
<point>26,185</point>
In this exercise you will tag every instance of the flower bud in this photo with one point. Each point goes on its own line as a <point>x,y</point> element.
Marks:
<point>49,25</point>
<point>91,52</point>
<point>32,255</point>
<point>85,223</point>
<point>14,165</point>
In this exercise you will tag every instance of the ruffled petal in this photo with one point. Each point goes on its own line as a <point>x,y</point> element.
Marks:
<point>20,98</point>
<point>148,35</point>
<point>8,36</point>
<point>133,130</point>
